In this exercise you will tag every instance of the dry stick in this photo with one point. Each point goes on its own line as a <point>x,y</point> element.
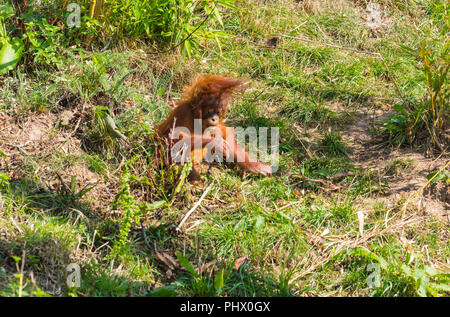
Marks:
<point>401,224</point>
<point>15,224</point>
<point>423,187</point>
<point>310,154</point>
<point>78,122</point>
<point>440,155</point>
<point>194,207</point>
<point>21,270</point>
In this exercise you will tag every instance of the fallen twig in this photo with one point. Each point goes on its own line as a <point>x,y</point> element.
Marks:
<point>78,123</point>
<point>194,207</point>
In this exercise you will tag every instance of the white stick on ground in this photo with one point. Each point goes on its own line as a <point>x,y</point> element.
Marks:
<point>194,207</point>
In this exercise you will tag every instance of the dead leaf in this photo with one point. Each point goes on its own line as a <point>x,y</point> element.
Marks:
<point>167,259</point>
<point>206,266</point>
<point>239,262</point>
<point>361,222</point>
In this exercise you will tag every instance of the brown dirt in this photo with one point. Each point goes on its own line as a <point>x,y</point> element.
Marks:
<point>373,155</point>
<point>36,137</point>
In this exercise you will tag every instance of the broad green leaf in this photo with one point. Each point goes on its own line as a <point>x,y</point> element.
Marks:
<point>217,15</point>
<point>218,33</point>
<point>18,275</point>
<point>16,258</point>
<point>185,263</point>
<point>436,178</point>
<point>164,291</point>
<point>324,172</point>
<point>442,287</point>
<point>218,280</point>
<point>6,11</point>
<point>10,54</point>
<point>431,271</point>
<point>368,254</point>
<point>228,4</point>
<point>155,205</point>
<point>443,276</point>
<point>160,91</point>
<point>187,48</point>
<point>100,109</point>
<point>112,128</point>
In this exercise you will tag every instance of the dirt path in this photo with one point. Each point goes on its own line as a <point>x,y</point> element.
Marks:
<point>404,170</point>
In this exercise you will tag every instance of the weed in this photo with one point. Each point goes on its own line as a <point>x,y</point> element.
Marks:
<point>21,287</point>
<point>394,278</point>
<point>332,144</point>
<point>412,117</point>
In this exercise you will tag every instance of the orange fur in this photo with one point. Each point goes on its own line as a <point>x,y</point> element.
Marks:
<point>208,98</point>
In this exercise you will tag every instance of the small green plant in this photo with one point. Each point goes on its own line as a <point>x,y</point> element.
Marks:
<point>397,166</point>
<point>69,196</point>
<point>125,201</point>
<point>132,211</point>
<point>399,278</point>
<point>427,281</point>
<point>96,164</point>
<point>332,143</point>
<point>412,116</point>
<point>443,176</point>
<point>20,287</point>
<point>163,180</point>
<point>177,22</point>
<point>106,124</point>
<point>4,182</point>
<point>47,42</point>
<point>205,286</point>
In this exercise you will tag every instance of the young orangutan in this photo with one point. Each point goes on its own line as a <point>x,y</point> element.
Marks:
<point>201,110</point>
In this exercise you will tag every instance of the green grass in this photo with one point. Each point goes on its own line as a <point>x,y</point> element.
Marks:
<point>298,230</point>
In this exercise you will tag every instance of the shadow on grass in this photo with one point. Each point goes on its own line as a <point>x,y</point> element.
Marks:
<point>55,222</point>
<point>190,270</point>
<point>63,199</point>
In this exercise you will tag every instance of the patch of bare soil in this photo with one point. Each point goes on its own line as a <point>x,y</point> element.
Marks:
<point>36,141</point>
<point>404,170</point>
